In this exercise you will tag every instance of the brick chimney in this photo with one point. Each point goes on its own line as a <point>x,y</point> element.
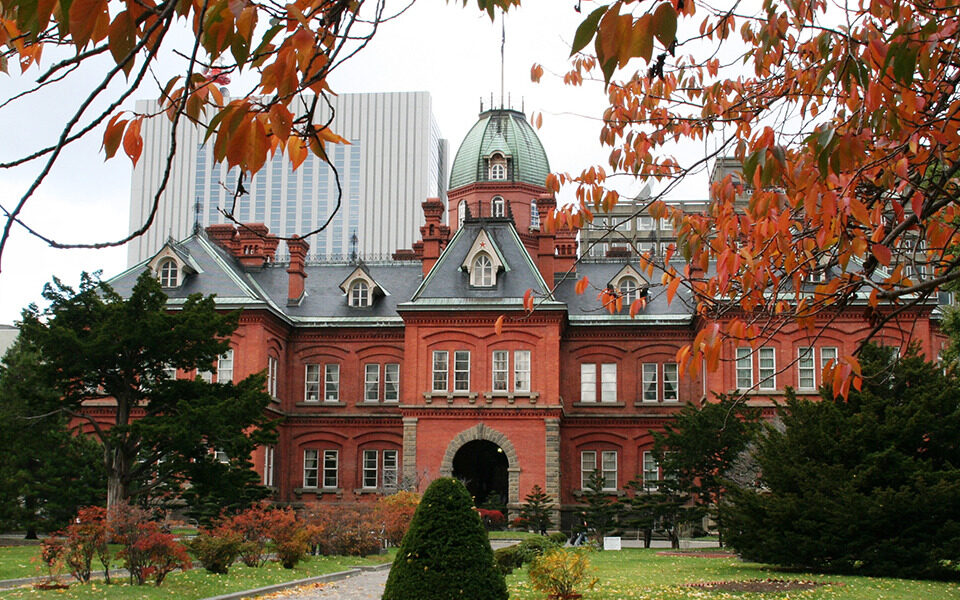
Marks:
<point>434,233</point>
<point>251,244</point>
<point>566,259</point>
<point>546,246</point>
<point>224,235</point>
<point>297,276</point>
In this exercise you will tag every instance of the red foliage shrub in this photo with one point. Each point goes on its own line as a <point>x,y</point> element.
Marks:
<point>492,519</point>
<point>148,552</point>
<point>52,551</point>
<point>253,526</point>
<point>345,529</point>
<point>290,537</point>
<point>395,513</point>
<point>87,537</point>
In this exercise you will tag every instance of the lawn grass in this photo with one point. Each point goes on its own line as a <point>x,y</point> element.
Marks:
<point>510,535</point>
<point>15,561</point>
<point>640,574</point>
<point>197,583</point>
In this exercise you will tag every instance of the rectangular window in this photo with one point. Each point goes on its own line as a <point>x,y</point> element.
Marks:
<point>645,223</point>
<point>501,369</point>
<point>207,376</point>
<point>272,376</point>
<point>671,382</point>
<point>330,460</point>
<point>588,382</point>
<point>310,468</point>
<point>221,456</point>
<point>806,374</point>
<point>608,460</point>
<point>768,369</point>
<point>744,369</point>
<point>268,466</point>
<point>390,469</point>
<point>826,355</point>
<point>521,371</point>
<point>370,461</point>
<point>461,371</point>
<point>225,367</point>
<point>588,464</point>
<point>331,383</point>
<point>439,370</point>
<point>608,382</point>
<point>649,382</point>
<point>371,383</point>
<point>391,382</point>
<point>311,386</point>
<point>170,372</point>
<point>651,472</point>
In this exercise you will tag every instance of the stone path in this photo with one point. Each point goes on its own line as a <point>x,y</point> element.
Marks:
<point>367,585</point>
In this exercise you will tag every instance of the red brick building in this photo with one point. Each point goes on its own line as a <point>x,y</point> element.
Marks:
<point>392,373</point>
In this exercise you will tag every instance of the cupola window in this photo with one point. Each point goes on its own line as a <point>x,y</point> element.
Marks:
<point>482,271</point>
<point>534,215</point>
<point>629,290</point>
<point>498,167</point>
<point>169,274</point>
<point>497,207</point>
<point>461,213</point>
<point>360,294</point>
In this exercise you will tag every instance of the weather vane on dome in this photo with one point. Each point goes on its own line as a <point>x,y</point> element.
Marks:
<point>503,44</point>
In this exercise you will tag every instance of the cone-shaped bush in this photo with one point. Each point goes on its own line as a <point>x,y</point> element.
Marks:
<point>446,554</point>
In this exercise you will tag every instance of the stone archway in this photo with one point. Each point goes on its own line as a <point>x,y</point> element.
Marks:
<point>483,432</point>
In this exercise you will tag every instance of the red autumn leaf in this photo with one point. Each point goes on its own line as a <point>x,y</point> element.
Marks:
<point>132,141</point>
<point>498,325</point>
<point>581,285</point>
<point>528,300</point>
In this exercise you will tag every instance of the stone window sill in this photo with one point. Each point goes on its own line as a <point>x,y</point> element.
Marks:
<point>321,404</point>
<point>597,404</point>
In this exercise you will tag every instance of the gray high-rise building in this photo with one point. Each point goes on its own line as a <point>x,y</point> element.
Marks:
<point>396,158</point>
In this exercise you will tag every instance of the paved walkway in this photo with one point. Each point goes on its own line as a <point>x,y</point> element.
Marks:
<point>367,585</point>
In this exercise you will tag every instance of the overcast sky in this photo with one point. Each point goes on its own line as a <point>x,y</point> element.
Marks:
<point>449,50</point>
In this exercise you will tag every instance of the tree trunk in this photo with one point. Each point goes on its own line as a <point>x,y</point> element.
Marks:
<point>117,467</point>
<point>31,533</point>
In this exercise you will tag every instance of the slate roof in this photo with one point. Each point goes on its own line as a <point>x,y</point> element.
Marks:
<point>507,131</point>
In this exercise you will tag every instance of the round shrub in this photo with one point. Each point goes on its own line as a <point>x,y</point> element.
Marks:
<point>507,559</point>
<point>532,547</point>
<point>216,551</point>
<point>446,554</point>
<point>558,537</point>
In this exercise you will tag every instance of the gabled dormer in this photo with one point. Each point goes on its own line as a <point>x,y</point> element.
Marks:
<point>171,266</point>
<point>484,262</point>
<point>361,289</point>
<point>629,283</point>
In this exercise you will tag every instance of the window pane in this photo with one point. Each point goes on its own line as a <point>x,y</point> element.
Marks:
<point>649,382</point>
<point>461,371</point>
<point>331,384</point>
<point>651,472</point>
<point>330,468</point>
<point>440,370</point>
<point>391,382</point>
<point>390,469</point>
<point>369,468</point>
<point>501,360</point>
<point>310,458</point>
<point>311,388</point>
<point>609,460</point>
<point>744,369</point>
<point>521,371</point>
<point>588,382</point>
<point>671,382</point>
<point>826,355</point>
<point>371,383</point>
<point>768,369</point>
<point>588,464</point>
<point>608,382</point>
<point>225,367</point>
<point>806,378</point>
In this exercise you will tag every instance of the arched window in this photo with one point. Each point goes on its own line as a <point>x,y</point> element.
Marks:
<point>360,294</point>
<point>461,213</point>
<point>534,215</point>
<point>498,167</point>
<point>497,207</point>
<point>482,275</point>
<point>169,273</point>
<point>629,290</point>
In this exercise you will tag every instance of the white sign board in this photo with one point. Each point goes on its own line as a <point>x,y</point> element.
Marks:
<point>611,543</point>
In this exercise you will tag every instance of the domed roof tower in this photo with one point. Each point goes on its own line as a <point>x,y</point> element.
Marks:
<point>499,170</point>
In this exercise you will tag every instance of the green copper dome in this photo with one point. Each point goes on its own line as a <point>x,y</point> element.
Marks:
<point>506,132</point>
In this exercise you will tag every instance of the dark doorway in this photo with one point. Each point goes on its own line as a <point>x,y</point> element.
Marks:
<point>482,466</point>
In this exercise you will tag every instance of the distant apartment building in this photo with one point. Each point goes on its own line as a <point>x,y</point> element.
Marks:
<point>396,157</point>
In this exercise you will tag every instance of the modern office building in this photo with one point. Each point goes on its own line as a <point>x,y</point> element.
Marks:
<point>396,157</point>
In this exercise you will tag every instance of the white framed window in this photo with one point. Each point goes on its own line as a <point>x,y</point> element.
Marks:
<point>268,452</point>
<point>391,382</point>
<point>645,223</point>
<point>521,370</point>
<point>806,373</point>
<point>169,274</point>
<point>221,457</point>
<point>497,207</point>
<point>331,461</point>
<point>666,225</point>
<point>768,368</point>
<point>331,382</point>
<point>608,382</point>
<point>826,355</point>
<point>170,372</point>
<point>225,367</point>
<point>390,469</point>
<point>498,170</point>
<point>671,382</point>
<point>588,382</point>
<point>371,461</point>
<point>311,383</point>
<point>461,371</point>
<point>588,464</point>
<point>629,290</point>
<point>744,369</point>
<point>482,275</point>
<point>651,472</point>
<point>272,368</point>
<point>647,248</point>
<point>439,369</point>
<point>534,215</point>
<point>360,294</point>
<point>461,213</point>
<point>371,382</point>
<point>608,464</point>
<point>311,468</point>
<point>649,382</point>
<point>207,375</point>
<point>623,224</point>
<point>501,370</point>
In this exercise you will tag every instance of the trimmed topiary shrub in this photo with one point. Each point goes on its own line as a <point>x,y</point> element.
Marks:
<point>216,550</point>
<point>507,559</point>
<point>532,547</point>
<point>446,554</point>
<point>559,537</point>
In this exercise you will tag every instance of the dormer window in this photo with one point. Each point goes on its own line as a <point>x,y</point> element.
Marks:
<point>360,294</point>
<point>497,207</point>
<point>629,290</point>
<point>482,275</point>
<point>169,273</point>
<point>498,167</point>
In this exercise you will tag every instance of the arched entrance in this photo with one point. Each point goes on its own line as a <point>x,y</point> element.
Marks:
<point>482,466</point>
<point>482,432</point>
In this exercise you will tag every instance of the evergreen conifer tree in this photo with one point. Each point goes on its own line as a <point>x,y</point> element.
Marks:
<point>601,512</point>
<point>445,554</point>
<point>535,512</point>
